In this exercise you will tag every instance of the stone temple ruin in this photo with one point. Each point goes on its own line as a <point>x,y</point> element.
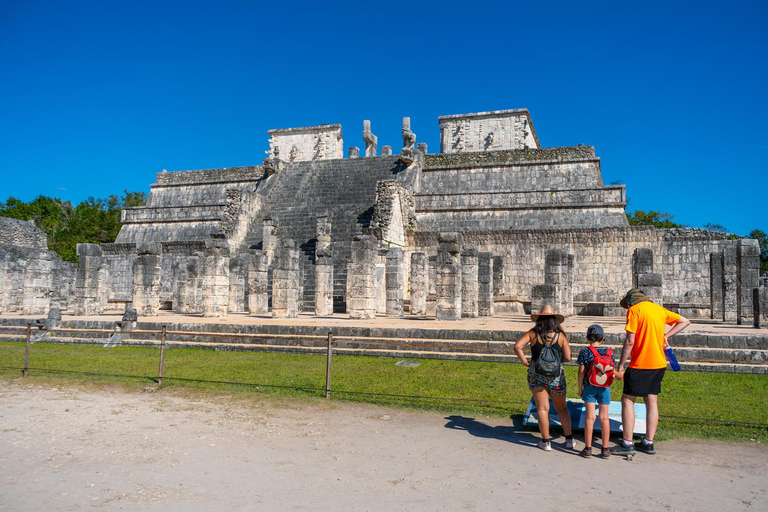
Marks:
<point>492,224</point>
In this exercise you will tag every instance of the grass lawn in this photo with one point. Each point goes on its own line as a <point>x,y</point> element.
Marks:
<point>479,389</point>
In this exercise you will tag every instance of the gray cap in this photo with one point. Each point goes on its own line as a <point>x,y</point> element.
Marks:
<point>594,332</point>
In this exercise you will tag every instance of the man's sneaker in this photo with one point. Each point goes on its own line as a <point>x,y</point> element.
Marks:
<point>645,448</point>
<point>605,452</point>
<point>586,452</point>
<point>623,449</point>
<point>545,445</point>
<point>569,444</point>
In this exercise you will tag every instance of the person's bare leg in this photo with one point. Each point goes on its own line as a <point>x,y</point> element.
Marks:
<point>628,416</point>
<point>605,425</point>
<point>589,423</point>
<point>562,411</point>
<point>541,399</point>
<point>651,416</point>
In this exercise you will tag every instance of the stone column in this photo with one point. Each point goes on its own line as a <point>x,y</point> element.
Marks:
<point>38,284</point>
<point>146,279</point>
<point>268,239</point>
<point>180,292</point>
<point>469,282</point>
<point>323,268</point>
<point>569,286</point>
<point>386,150</point>
<point>556,274</point>
<point>716,285</point>
<point>380,281</point>
<point>418,284</point>
<point>485,284</point>
<point>258,282</point>
<point>394,281</point>
<point>747,278</point>
<point>730,296</point>
<point>361,277</point>
<point>87,280</point>
<point>216,278</point>
<point>190,286</point>
<point>354,152</point>
<point>448,283</point>
<point>643,276</point>
<point>104,286</point>
<point>432,278</point>
<point>238,269</point>
<point>285,280</point>
<point>498,276</point>
<point>760,306</point>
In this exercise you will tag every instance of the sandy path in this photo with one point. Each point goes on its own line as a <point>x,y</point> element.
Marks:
<point>71,449</point>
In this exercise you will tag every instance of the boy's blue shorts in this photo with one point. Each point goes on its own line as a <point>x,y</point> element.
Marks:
<point>594,394</point>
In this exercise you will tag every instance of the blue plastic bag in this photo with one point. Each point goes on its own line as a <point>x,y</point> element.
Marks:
<point>672,359</point>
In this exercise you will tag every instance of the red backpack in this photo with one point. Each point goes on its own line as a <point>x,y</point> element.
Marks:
<point>600,372</point>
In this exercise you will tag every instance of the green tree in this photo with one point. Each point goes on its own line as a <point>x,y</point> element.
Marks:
<point>652,218</point>
<point>762,238</point>
<point>92,221</point>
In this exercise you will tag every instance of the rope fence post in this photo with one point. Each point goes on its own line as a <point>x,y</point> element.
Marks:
<point>328,366</point>
<point>162,355</point>
<point>26,350</point>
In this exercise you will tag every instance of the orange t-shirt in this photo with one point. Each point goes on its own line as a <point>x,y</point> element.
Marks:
<point>648,320</point>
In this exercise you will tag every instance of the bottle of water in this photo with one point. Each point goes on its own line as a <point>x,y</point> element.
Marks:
<point>672,359</point>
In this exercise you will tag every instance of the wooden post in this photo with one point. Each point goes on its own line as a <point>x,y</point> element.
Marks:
<point>328,366</point>
<point>162,356</point>
<point>26,350</point>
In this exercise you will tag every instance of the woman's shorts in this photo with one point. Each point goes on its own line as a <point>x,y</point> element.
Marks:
<point>555,385</point>
<point>639,382</point>
<point>594,394</point>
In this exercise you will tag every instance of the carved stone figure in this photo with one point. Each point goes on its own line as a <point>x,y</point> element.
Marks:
<point>371,141</point>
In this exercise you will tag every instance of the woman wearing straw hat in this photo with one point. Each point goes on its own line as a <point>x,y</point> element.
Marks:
<point>547,332</point>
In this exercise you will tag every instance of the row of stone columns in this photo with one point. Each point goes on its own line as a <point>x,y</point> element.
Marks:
<point>734,275</point>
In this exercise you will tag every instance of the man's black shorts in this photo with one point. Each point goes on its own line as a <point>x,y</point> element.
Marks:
<point>643,382</point>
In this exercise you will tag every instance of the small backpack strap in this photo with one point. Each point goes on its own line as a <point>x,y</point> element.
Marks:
<point>594,351</point>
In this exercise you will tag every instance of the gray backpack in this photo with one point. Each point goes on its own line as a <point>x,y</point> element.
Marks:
<point>549,362</point>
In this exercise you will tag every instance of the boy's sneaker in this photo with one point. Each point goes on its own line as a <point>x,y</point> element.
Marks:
<point>545,445</point>
<point>623,449</point>
<point>569,444</point>
<point>605,453</point>
<point>641,446</point>
<point>586,452</point>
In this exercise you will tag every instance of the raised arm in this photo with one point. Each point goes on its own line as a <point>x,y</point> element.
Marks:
<point>679,326</point>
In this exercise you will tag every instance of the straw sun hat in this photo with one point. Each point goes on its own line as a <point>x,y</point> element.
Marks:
<point>548,311</point>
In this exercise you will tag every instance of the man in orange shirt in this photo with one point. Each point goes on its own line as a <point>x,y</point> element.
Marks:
<point>645,342</point>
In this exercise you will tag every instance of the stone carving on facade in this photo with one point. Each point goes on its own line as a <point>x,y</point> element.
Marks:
<point>409,154</point>
<point>371,141</point>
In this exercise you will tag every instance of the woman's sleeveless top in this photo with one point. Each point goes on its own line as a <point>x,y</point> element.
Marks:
<point>538,346</point>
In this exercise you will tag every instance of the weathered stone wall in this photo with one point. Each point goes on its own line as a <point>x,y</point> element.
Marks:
<point>602,260</point>
<point>32,278</point>
<point>22,233</point>
<point>531,189</point>
<point>323,142</point>
<point>186,205</point>
<point>487,131</point>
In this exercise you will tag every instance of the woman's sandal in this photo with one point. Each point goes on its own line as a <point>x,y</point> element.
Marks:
<point>605,453</point>
<point>586,452</point>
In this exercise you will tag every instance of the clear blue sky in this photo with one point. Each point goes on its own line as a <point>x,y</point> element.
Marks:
<point>96,97</point>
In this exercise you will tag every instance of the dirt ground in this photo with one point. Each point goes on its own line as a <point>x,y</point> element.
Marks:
<point>85,449</point>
